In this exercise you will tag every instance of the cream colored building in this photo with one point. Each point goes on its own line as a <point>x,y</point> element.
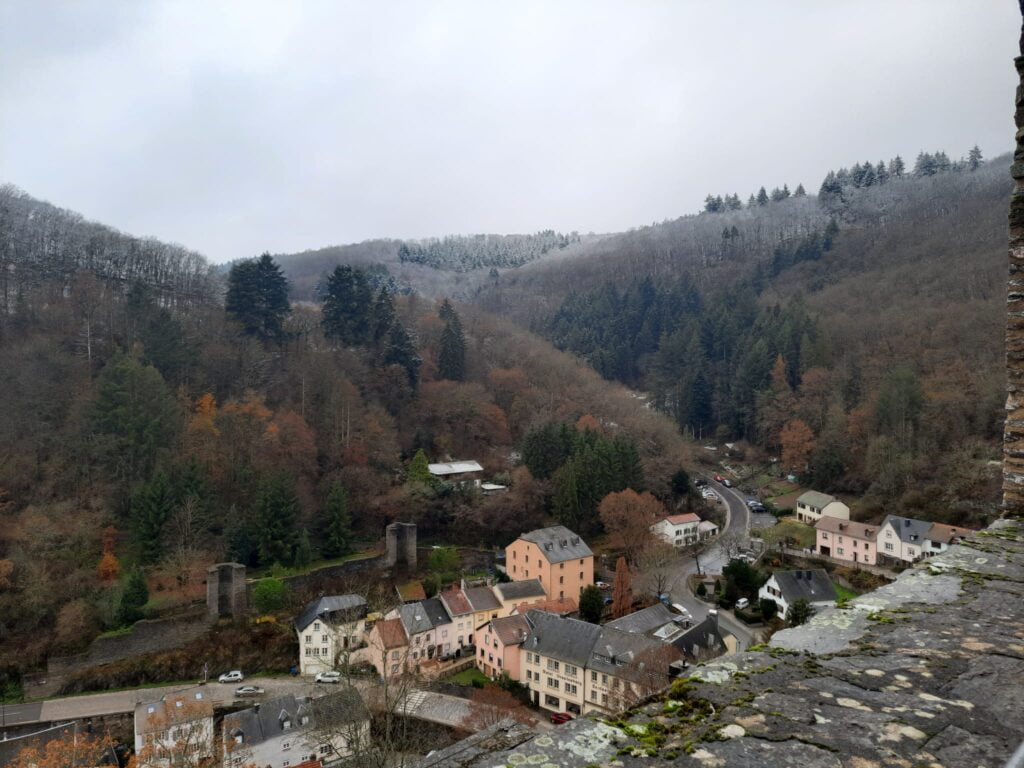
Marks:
<point>328,629</point>
<point>557,557</point>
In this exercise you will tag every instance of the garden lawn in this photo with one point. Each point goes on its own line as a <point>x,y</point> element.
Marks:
<point>791,528</point>
<point>844,593</point>
<point>467,677</point>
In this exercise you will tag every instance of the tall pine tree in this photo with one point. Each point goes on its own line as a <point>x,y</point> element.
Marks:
<point>348,306</point>
<point>258,297</point>
<point>338,523</point>
<point>277,509</point>
<point>399,350</point>
<point>451,358</point>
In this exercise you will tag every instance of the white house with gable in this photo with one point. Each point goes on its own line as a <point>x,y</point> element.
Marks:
<point>458,472</point>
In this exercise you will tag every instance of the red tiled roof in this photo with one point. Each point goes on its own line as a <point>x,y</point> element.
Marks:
<point>559,605</point>
<point>392,633</point>
<point>455,601</point>
<point>689,517</point>
<point>847,528</point>
<point>947,533</point>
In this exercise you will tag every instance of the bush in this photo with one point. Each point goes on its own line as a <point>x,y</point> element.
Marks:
<point>702,591</point>
<point>748,616</point>
<point>769,608</point>
<point>268,595</point>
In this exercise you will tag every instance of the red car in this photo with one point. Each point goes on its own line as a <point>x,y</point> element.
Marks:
<point>719,479</point>
<point>561,717</point>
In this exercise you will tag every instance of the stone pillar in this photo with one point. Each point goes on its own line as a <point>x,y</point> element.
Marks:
<point>1013,431</point>
<point>226,591</point>
<point>400,545</point>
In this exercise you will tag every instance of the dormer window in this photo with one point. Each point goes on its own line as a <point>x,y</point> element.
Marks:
<point>179,703</point>
<point>286,725</point>
<point>304,720</point>
<point>150,710</point>
<point>239,738</point>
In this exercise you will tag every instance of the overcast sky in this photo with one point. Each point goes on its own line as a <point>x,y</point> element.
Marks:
<point>235,128</point>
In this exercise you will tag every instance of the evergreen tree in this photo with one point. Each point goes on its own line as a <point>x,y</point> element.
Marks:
<point>867,177</point>
<point>135,408</point>
<point>751,201</point>
<point>762,197</point>
<point>257,297</point>
<point>151,508</point>
<point>567,502</point>
<point>303,555</point>
<point>925,165</point>
<point>547,448</point>
<point>451,359</point>
<point>383,316</point>
<point>974,159</point>
<point>338,529</point>
<point>733,202</point>
<point>799,191</point>
<point>831,191</point>
<point>419,469</point>
<point>896,167</point>
<point>277,510</point>
<point>881,173</point>
<point>942,163</point>
<point>134,597</point>
<point>348,305</point>
<point>164,345</point>
<point>591,604</point>
<point>712,204</point>
<point>399,350</point>
<point>799,612</point>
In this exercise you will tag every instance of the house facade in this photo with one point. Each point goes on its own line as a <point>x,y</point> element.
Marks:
<point>485,605</point>
<point>429,629</point>
<point>812,506</point>
<point>625,668</point>
<point>287,731</point>
<point>902,539</point>
<point>389,648</point>
<point>513,593</point>
<point>786,587</point>
<point>555,556</point>
<point>498,649</point>
<point>461,612</point>
<point>846,540</point>
<point>176,728</point>
<point>554,659</point>
<point>678,530</point>
<point>329,628</point>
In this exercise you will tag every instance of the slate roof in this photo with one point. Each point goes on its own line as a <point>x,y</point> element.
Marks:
<point>814,586</point>
<point>815,499</point>
<point>392,633</point>
<point>569,640</point>
<point>847,528</point>
<point>265,722</point>
<point>908,529</point>
<point>558,544</point>
<point>436,612</point>
<point>511,630</point>
<point>482,599</point>
<point>519,590</point>
<point>423,616</point>
<point>701,641</point>
<point>645,620</point>
<point>344,605</point>
<point>454,468</point>
<point>632,656</point>
<point>455,601</point>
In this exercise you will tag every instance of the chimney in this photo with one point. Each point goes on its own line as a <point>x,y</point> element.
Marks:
<point>713,615</point>
<point>906,523</point>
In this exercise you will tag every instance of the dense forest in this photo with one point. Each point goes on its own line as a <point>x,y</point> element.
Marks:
<point>146,435</point>
<point>854,335</point>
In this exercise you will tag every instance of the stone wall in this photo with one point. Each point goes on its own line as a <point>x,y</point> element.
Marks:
<point>147,636</point>
<point>1013,430</point>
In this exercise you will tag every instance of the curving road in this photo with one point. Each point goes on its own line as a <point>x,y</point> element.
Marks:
<point>712,561</point>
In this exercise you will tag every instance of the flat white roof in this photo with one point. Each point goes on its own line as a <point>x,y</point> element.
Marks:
<point>492,487</point>
<point>454,468</point>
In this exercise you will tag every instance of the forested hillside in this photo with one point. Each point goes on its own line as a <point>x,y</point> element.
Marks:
<point>854,335</point>
<point>147,434</point>
<point>454,266</point>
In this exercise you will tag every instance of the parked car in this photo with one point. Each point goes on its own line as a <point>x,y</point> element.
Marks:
<point>234,676</point>
<point>742,603</point>
<point>719,479</point>
<point>602,585</point>
<point>608,601</point>
<point>665,598</point>
<point>700,482</point>
<point>561,717</point>
<point>328,677</point>
<point>248,690</point>
<point>727,482</point>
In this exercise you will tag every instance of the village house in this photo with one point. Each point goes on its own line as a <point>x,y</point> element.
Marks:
<point>556,556</point>
<point>902,539</point>
<point>941,537</point>
<point>554,666</point>
<point>625,668</point>
<point>786,587</point>
<point>812,506</point>
<point>846,540</point>
<point>498,651</point>
<point>697,642</point>
<point>429,629</point>
<point>485,605</point>
<point>389,647</point>
<point>458,607</point>
<point>287,731</point>
<point>706,530</point>
<point>176,728</point>
<point>458,472</point>
<point>327,629</point>
<point>513,593</point>
<point>678,530</point>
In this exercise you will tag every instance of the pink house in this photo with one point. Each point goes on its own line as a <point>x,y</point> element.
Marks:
<point>497,650</point>
<point>846,540</point>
